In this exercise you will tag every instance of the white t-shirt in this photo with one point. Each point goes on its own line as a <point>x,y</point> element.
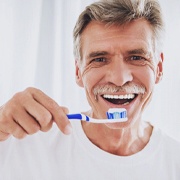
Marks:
<point>54,156</point>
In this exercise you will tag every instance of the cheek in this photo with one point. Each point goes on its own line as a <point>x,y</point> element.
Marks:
<point>148,79</point>
<point>146,76</point>
<point>91,77</point>
<point>149,71</point>
<point>151,74</point>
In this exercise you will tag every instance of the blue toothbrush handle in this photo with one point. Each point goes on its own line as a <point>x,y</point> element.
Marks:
<point>77,117</point>
<point>74,116</point>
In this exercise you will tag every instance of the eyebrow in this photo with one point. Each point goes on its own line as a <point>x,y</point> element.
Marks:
<point>138,51</point>
<point>97,53</point>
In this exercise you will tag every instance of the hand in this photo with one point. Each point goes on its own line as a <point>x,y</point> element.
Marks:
<point>30,111</point>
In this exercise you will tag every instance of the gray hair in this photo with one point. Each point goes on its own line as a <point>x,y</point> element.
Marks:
<point>119,12</point>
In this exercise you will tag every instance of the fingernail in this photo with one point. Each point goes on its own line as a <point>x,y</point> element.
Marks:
<point>68,129</point>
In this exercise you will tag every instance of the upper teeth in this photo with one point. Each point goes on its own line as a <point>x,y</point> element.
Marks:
<point>126,96</point>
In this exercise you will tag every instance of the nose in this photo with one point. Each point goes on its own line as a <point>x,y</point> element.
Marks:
<point>119,73</point>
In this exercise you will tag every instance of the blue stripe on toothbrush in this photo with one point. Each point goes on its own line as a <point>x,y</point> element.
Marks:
<point>109,115</point>
<point>74,116</point>
<point>116,115</point>
<point>77,116</point>
<point>87,118</point>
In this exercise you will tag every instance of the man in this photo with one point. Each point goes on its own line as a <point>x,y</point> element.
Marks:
<point>119,59</point>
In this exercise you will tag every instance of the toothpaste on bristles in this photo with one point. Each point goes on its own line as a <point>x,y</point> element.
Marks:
<point>117,113</point>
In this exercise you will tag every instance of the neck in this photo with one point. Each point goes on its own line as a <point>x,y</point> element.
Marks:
<point>122,142</point>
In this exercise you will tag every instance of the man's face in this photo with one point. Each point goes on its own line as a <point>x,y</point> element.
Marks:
<point>118,68</point>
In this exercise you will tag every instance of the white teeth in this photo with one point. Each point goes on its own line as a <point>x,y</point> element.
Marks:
<point>121,97</point>
<point>116,97</point>
<point>126,96</point>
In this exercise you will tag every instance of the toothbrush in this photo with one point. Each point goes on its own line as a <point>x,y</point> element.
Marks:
<point>113,115</point>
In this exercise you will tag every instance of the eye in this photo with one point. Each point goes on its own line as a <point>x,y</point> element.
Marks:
<point>137,58</point>
<point>101,59</point>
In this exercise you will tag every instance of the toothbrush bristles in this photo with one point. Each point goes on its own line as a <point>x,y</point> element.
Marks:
<point>116,113</point>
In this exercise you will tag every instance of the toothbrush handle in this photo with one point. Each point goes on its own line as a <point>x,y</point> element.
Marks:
<point>78,117</point>
<point>74,116</point>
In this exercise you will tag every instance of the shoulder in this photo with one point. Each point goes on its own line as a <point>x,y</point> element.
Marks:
<point>168,144</point>
<point>169,140</point>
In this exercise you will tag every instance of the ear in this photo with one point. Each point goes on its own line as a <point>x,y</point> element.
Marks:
<point>159,71</point>
<point>78,74</point>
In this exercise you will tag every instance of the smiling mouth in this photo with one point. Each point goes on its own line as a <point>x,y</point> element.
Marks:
<point>120,99</point>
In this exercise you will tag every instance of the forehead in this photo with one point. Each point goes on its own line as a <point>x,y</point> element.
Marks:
<point>98,36</point>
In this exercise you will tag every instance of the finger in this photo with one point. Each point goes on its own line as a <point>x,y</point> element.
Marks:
<point>18,132</point>
<point>63,123</point>
<point>26,121</point>
<point>40,115</point>
<point>57,112</point>
<point>65,109</point>
<point>4,136</point>
<point>9,126</point>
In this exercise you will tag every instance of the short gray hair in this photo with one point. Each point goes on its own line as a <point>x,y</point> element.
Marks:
<point>119,12</point>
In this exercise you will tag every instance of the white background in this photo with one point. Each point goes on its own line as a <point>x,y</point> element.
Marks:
<point>36,50</point>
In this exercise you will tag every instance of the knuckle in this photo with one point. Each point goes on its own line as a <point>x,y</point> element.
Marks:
<point>6,112</point>
<point>32,91</point>
<point>47,128</point>
<point>65,109</point>
<point>20,135</point>
<point>29,90</point>
<point>21,96</point>
<point>4,137</point>
<point>5,125</point>
<point>17,100</point>
<point>45,119</point>
<point>5,119</point>
<point>18,97</point>
<point>48,117</point>
<point>53,105</point>
<point>34,130</point>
